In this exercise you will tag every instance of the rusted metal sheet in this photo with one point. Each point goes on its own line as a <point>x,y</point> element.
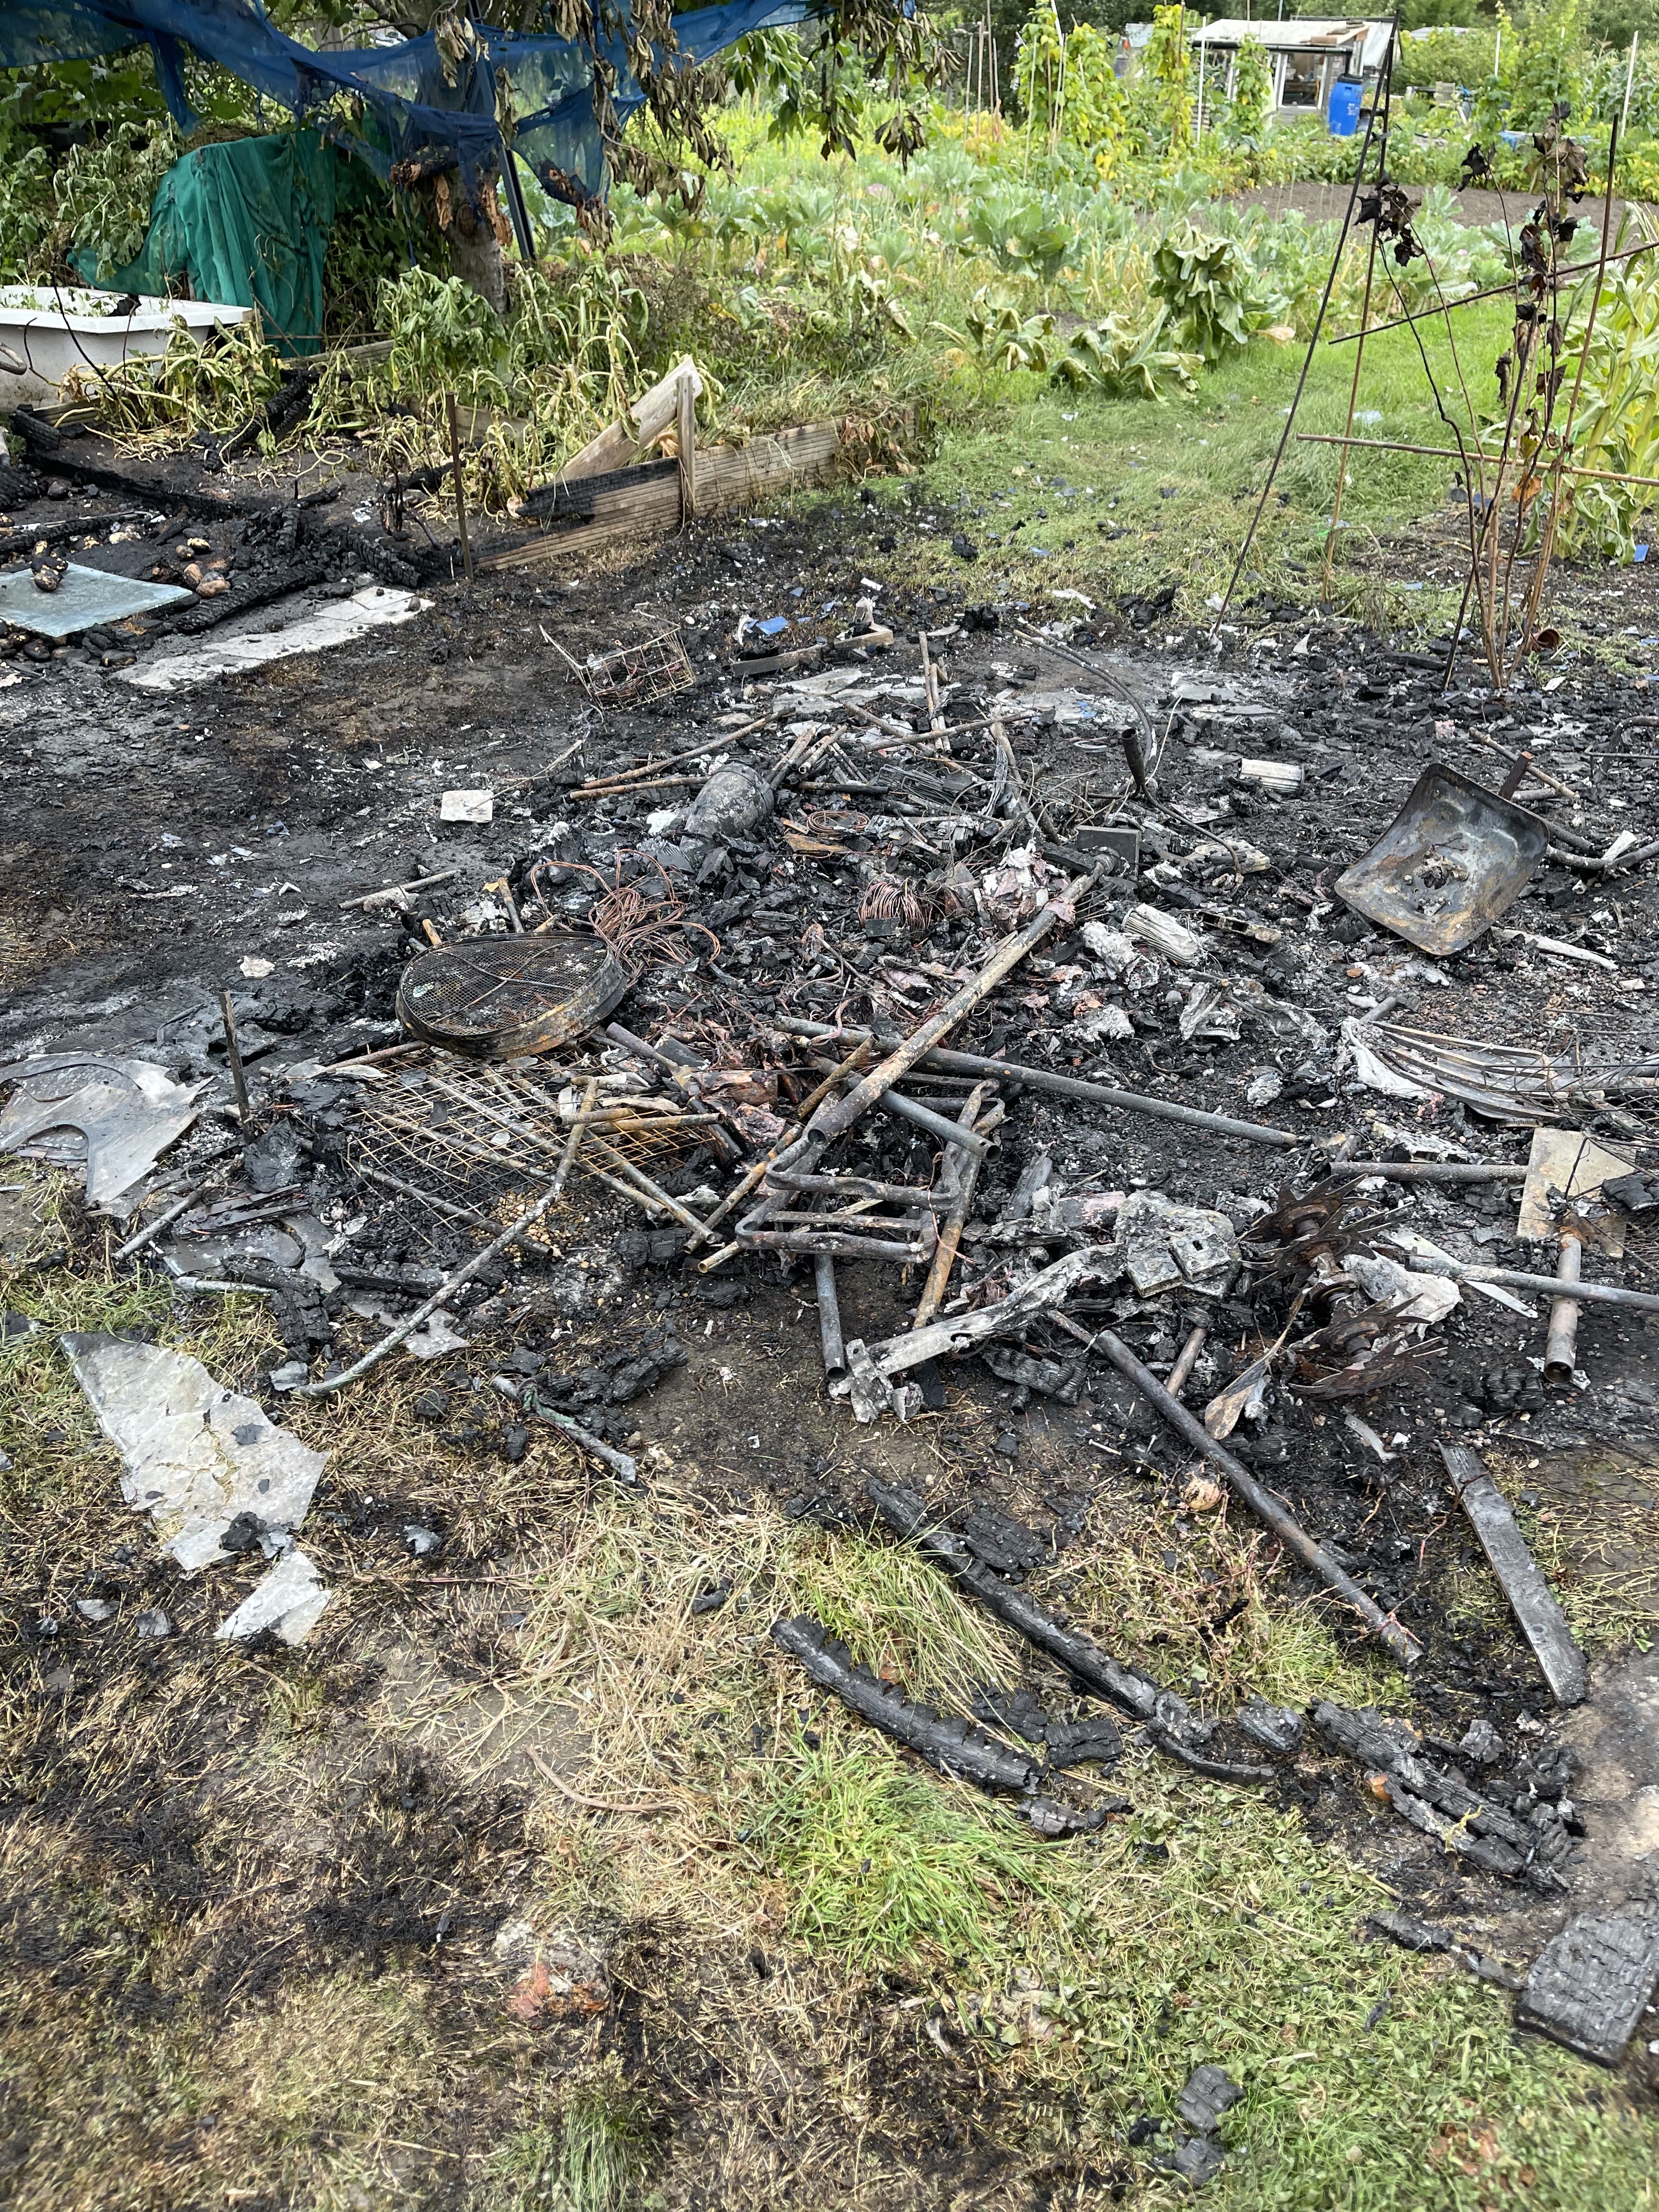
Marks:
<point>1454,859</point>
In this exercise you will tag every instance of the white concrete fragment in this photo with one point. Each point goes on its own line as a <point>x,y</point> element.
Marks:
<point>196,1454</point>
<point>289,1600</point>
<point>336,623</point>
<point>466,806</point>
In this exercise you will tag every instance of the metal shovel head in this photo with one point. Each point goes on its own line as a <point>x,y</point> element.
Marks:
<point>1454,859</point>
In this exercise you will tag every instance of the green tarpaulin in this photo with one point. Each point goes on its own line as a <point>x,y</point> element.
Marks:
<point>248,223</point>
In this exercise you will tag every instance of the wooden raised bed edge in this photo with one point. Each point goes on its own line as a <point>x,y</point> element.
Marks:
<point>650,501</point>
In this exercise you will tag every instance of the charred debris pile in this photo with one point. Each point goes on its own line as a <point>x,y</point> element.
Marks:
<point>1085,1020</point>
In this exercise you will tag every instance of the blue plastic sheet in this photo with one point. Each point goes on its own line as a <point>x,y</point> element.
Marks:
<point>410,113</point>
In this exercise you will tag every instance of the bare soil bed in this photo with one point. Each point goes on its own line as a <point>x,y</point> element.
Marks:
<point>1329,203</point>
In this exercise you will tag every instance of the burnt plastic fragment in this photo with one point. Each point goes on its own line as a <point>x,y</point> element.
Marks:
<point>1068,1743</point>
<point>1207,2095</point>
<point>242,1534</point>
<point>1197,2161</point>
<point>954,1747</point>
<point>1071,1743</point>
<point>1016,1710</point>
<point>1007,1547</point>
<point>1414,1935</point>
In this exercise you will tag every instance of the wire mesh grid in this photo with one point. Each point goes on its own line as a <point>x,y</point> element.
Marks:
<point>475,1135</point>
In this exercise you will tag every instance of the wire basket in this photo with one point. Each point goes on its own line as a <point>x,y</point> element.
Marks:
<point>634,675</point>
<point>460,1134</point>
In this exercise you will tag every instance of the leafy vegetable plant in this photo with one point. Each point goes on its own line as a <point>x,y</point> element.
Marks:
<point>1120,362</point>
<point>1208,286</point>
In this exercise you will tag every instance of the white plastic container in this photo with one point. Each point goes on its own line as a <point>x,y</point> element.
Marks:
<point>53,328</point>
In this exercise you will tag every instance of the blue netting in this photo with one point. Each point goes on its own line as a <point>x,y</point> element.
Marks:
<point>408,112</point>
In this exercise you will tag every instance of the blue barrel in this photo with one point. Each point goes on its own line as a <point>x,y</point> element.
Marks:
<point>1343,111</point>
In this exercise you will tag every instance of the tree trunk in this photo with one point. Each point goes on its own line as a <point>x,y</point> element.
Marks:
<point>475,255</point>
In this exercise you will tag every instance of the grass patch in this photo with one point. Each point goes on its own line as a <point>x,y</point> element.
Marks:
<point>1089,1978</point>
<point>888,1866</point>
<point>932,1974</point>
<point>1077,492</point>
<point>1194,1601</point>
<point>1602,1562</point>
<point>905,1618</point>
<point>1208,1926</point>
<point>311,2099</point>
<point>590,2158</point>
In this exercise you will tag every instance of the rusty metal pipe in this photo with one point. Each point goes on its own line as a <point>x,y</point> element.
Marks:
<point>1390,1633</point>
<point>1186,1360</point>
<point>945,1060</point>
<point>961,1169</point>
<point>1560,1345</point>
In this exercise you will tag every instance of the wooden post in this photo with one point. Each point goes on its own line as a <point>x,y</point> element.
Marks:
<point>461,494</point>
<point>688,443</point>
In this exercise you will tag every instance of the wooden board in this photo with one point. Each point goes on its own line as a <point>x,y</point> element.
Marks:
<point>1531,1599</point>
<point>1588,1985</point>
<point>645,503</point>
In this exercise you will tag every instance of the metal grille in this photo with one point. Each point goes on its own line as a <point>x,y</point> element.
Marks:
<point>474,1135</point>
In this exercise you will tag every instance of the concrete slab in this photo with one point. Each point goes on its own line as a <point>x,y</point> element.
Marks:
<point>335,623</point>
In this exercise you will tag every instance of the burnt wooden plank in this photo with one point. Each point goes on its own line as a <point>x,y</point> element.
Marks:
<point>620,509</point>
<point>1590,1985</point>
<point>1531,1599</point>
<point>646,501</point>
<point>560,503</point>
